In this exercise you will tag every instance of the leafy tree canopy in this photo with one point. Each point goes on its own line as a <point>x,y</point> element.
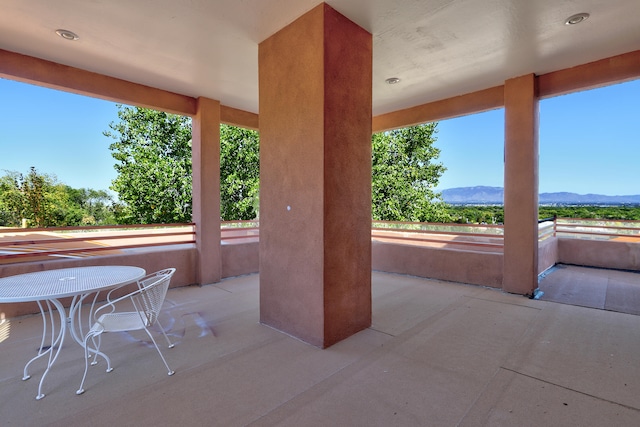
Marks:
<point>405,173</point>
<point>152,150</point>
<point>31,197</point>
<point>154,182</point>
<point>44,202</point>
<point>239,173</point>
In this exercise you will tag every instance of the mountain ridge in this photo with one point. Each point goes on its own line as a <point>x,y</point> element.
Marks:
<point>495,195</point>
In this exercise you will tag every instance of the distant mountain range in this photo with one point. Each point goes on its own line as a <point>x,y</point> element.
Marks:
<point>495,195</point>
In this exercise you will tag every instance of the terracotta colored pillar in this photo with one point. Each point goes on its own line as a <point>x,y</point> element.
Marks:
<point>520,271</point>
<point>315,178</point>
<point>206,189</point>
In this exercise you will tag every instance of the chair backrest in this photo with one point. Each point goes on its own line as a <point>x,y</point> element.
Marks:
<point>153,290</point>
<point>151,278</point>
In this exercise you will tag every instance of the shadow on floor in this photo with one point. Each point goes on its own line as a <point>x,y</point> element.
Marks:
<point>604,289</point>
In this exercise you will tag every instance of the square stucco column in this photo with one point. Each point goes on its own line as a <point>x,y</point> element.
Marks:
<point>520,271</point>
<point>315,178</point>
<point>206,189</point>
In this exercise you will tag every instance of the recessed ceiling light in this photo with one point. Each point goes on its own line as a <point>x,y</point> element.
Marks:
<point>67,35</point>
<point>576,19</point>
<point>392,80</point>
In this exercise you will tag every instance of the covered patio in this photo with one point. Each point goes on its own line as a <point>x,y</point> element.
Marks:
<point>386,349</point>
<point>305,75</point>
<point>437,353</point>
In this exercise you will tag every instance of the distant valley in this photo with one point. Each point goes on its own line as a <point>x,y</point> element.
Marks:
<point>483,195</point>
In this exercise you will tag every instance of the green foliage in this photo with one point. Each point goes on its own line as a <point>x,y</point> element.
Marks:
<point>405,174</point>
<point>44,202</point>
<point>589,212</point>
<point>495,214</point>
<point>32,197</point>
<point>153,155</point>
<point>152,150</point>
<point>12,200</point>
<point>90,207</point>
<point>239,173</point>
<point>476,214</point>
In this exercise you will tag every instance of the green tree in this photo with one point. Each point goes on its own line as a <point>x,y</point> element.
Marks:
<point>405,174</point>
<point>476,214</point>
<point>12,206</point>
<point>239,173</point>
<point>153,155</point>
<point>89,207</point>
<point>36,197</point>
<point>152,150</point>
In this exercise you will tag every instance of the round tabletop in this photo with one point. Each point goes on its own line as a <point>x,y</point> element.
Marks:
<point>65,282</point>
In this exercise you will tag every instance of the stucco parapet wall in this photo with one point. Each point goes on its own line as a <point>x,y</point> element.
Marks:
<point>240,258</point>
<point>547,254</point>
<point>613,254</point>
<point>466,266</point>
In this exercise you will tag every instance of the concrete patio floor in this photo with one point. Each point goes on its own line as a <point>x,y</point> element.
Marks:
<point>437,354</point>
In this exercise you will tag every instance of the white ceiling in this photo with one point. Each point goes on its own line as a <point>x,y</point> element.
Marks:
<point>439,48</point>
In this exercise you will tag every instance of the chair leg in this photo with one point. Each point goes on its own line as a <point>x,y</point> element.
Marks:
<point>96,345</point>
<point>169,371</point>
<point>97,341</point>
<point>169,343</point>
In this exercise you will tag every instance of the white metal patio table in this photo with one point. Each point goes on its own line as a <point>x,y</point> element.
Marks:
<point>48,287</point>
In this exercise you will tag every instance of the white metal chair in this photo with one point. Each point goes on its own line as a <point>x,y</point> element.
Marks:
<point>147,302</point>
<point>149,279</point>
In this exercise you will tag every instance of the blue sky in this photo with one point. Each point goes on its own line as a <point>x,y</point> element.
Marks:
<point>59,133</point>
<point>589,141</point>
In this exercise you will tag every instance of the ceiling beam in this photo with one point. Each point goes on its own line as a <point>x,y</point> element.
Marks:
<point>49,74</point>
<point>616,69</point>
<point>235,117</point>
<point>475,102</point>
<point>40,72</point>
